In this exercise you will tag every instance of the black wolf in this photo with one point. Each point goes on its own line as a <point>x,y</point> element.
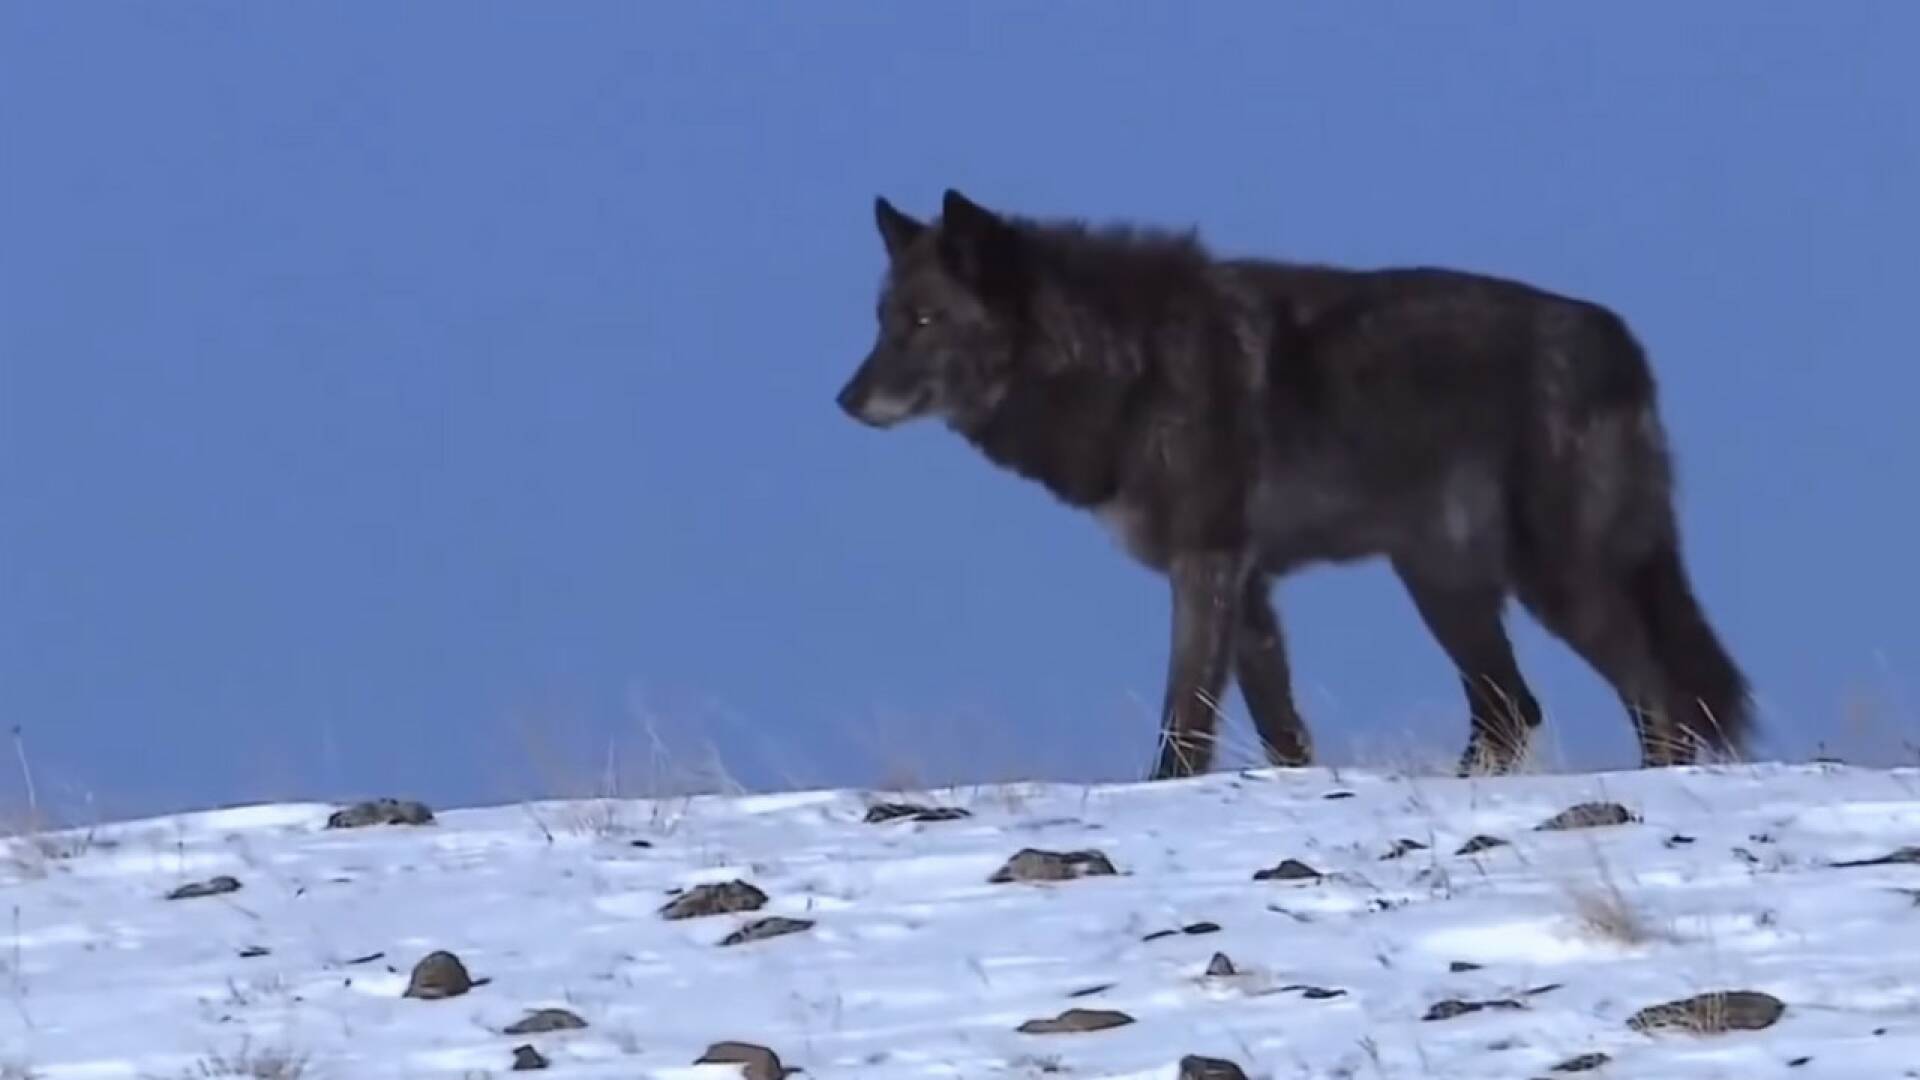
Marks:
<point>1232,420</point>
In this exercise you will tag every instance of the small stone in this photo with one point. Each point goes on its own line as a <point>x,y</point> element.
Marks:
<point>1199,928</point>
<point>1029,864</point>
<point>214,886</point>
<point>1288,870</point>
<point>1711,1013</point>
<point>1452,1007</point>
<point>1459,967</point>
<point>1336,795</point>
<point>1894,858</point>
<point>1588,816</point>
<point>1679,840</point>
<point>714,898</point>
<point>1221,966</point>
<point>541,1021</point>
<point>1402,848</point>
<point>1479,844</point>
<point>527,1059</point>
<point>1583,1063</point>
<point>761,929</point>
<point>1195,1067</point>
<point>882,812</point>
<point>1089,991</point>
<point>381,812</point>
<point>1314,993</point>
<point>761,1063</point>
<point>1074,1021</point>
<point>439,974</point>
<point>255,951</point>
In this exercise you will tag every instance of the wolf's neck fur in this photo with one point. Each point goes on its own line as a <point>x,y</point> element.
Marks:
<point>1063,431</point>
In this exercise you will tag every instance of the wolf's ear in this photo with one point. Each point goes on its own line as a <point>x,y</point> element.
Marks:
<point>897,230</point>
<point>975,244</point>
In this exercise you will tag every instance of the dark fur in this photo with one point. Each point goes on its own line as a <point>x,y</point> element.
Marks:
<point>1234,420</point>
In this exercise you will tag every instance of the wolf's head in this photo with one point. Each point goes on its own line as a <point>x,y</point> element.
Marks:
<point>949,314</point>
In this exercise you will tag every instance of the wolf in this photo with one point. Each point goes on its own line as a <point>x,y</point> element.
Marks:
<point>1234,420</point>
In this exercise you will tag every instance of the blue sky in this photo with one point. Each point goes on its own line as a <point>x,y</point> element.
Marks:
<point>426,399</point>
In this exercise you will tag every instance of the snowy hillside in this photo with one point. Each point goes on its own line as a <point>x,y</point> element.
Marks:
<point>1425,927</point>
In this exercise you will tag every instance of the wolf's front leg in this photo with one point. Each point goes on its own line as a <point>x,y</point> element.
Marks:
<point>1206,599</point>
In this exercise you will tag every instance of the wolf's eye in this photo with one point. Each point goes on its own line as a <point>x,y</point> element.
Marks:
<point>925,318</point>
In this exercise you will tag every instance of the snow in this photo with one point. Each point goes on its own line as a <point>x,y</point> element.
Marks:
<point>917,966</point>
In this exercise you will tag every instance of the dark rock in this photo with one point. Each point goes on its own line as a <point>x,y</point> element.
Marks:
<point>1583,1063</point>
<point>881,812</point>
<point>1679,840</point>
<point>761,1063</point>
<point>1334,795</point>
<point>1314,993</point>
<point>527,1059</point>
<point>1029,864</point>
<point>1452,1007</point>
<point>1089,991</point>
<point>1547,989</point>
<point>1402,848</point>
<point>714,898</point>
<point>1191,929</point>
<point>1195,1067</point>
<point>1288,870</point>
<point>761,929</point>
<point>1462,966</point>
<point>367,959</point>
<point>1590,815</point>
<point>1711,1013</point>
<point>381,812</point>
<point>1076,1020</point>
<point>252,952</point>
<point>1221,966</point>
<point>1479,844</point>
<point>541,1021</point>
<point>439,974</point>
<point>1895,858</point>
<point>214,886</point>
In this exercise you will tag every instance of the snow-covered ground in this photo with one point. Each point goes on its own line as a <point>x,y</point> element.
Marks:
<point>914,964</point>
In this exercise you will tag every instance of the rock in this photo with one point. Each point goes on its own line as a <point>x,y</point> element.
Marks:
<point>1590,815</point>
<point>1583,1063</point>
<point>1029,864</point>
<point>527,1059</point>
<point>762,929</point>
<point>381,812</point>
<point>1459,967</point>
<point>1894,858</point>
<point>1074,1021</point>
<point>214,886</point>
<point>714,898</point>
<point>1711,1013</point>
<point>439,974</point>
<point>1402,848</point>
<point>1191,929</point>
<point>1195,1067</point>
<point>541,1021</point>
<point>761,1063</point>
<point>1452,1007</point>
<point>1479,844</point>
<point>1089,991</point>
<point>881,812</point>
<point>1288,870</point>
<point>1221,966</point>
<point>253,952</point>
<point>1314,993</point>
<point>1335,795</point>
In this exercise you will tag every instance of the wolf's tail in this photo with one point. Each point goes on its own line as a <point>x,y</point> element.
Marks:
<point>1708,689</point>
